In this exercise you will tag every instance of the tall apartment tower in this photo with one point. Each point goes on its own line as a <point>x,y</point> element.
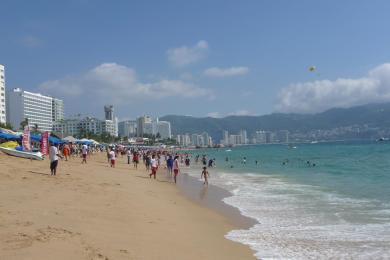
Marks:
<point>36,108</point>
<point>109,112</point>
<point>57,109</point>
<point>144,126</point>
<point>3,117</point>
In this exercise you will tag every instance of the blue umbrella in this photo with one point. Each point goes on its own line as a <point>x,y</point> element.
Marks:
<point>9,136</point>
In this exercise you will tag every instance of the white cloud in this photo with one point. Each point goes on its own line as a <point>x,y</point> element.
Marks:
<point>226,72</point>
<point>320,95</point>
<point>111,82</point>
<point>214,114</point>
<point>185,55</point>
<point>241,112</point>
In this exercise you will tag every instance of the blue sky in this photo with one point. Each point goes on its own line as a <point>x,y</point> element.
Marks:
<point>198,57</point>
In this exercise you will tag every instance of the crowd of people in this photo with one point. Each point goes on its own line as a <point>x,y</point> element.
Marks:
<point>153,159</point>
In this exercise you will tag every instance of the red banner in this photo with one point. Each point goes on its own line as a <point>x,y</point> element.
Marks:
<point>26,142</point>
<point>45,143</point>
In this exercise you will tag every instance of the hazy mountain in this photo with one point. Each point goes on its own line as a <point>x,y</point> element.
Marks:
<point>371,115</point>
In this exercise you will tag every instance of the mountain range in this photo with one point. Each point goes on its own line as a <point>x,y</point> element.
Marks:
<point>373,116</point>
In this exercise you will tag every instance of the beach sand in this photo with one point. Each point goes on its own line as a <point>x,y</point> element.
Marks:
<point>95,212</point>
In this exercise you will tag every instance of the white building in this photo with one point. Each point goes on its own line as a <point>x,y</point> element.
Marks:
<point>36,108</point>
<point>144,126</point>
<point>197,140</point>
<point>183,140</point>
<point>164,129</point>
<point>3,112</point>
<point>244,139</point>
<point>127,128</point>
<point>225,137</point>
<point>57,109</point>
<point>260,137</point>
<point>78,127</point>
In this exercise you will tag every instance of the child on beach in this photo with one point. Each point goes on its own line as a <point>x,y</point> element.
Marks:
<point>205,175</point>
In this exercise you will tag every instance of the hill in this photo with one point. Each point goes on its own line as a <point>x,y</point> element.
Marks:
<point>369,116</point>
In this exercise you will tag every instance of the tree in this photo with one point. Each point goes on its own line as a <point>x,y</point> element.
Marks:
<point>6,126</point>
<point>35,128</point>
<point>24,123</point>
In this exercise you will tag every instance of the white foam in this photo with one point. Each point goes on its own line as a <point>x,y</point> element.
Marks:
<point>302,222</point>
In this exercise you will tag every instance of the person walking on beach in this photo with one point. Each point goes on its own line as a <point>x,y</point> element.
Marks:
<point>175,168</point>
<point>128,156</point>
<point>53,156</point>
<point>147,162</point>
<point>154,164</point>
<point>135,159</point>
<point>170,165</point>
<point>205,175</point>
<point>84,152</point>
<point>112,158</point>
<point>66,151</point>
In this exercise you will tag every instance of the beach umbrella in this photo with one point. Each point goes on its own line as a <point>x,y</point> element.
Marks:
<point>8,136</point>
<point>70,139</point>
<point>55,140</point>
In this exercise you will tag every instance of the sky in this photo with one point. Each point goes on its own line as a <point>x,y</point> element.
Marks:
<point>199,58</point>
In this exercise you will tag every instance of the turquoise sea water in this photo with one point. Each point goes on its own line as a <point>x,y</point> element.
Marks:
<point>339,208</point>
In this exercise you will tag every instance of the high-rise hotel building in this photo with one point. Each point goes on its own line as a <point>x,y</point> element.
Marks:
<point>3,117</point>
<point>39,110</point>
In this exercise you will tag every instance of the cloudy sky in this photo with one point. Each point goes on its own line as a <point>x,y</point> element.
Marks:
<point>200,58</point>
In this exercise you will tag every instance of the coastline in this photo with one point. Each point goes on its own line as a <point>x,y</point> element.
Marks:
<point>95,212</point>
<point>212,196</point>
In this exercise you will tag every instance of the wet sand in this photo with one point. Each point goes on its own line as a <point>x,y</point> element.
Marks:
<point>95,212</point>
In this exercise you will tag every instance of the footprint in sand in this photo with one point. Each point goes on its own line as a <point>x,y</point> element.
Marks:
<point>23,240</point>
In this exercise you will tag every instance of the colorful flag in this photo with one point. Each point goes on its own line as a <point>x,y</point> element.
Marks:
<point>45,143</point>
<point>26,142</point>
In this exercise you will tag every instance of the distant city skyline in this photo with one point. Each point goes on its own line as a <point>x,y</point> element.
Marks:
<point>198,58</point>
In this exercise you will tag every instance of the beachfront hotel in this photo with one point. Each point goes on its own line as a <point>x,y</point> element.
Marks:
<point>164,129</point>
<point>80,126</point>
<point>3,117</point>
<point>57,109</point>
<point>36,108</point>
<point>127,128</point>
<point>77,126</point>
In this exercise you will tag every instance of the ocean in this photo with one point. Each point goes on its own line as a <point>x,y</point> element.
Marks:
<point>311,201</point>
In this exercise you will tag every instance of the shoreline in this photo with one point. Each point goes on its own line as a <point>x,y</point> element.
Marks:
<point>212,196</point>
<point>94,212</point>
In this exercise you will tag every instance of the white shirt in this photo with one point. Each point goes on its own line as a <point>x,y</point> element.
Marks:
<point>85,149</point>
<point>112,155</point>
<point>154,162</point>
<point>53,153</point>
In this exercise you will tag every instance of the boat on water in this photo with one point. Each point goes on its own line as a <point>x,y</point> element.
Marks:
<point>22,154</point>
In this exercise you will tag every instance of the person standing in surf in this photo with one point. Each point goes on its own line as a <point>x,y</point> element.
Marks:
<point>205,175</point>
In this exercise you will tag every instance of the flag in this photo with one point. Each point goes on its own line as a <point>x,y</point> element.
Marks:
<point>44,143</point>
<point>26,142</point>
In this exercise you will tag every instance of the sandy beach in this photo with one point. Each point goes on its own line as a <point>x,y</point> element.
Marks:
<point>95,212</point>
